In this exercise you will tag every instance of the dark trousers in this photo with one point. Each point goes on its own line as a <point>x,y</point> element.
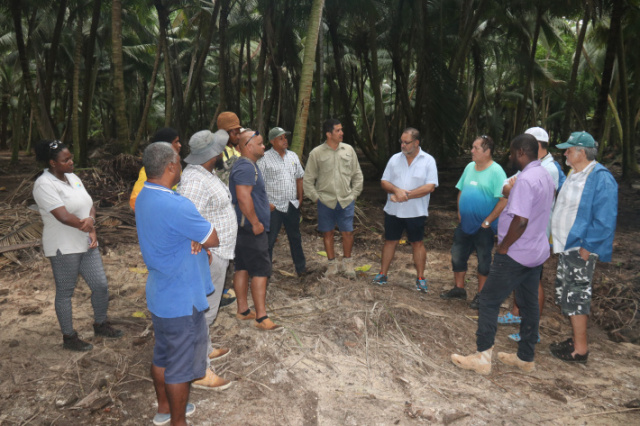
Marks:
<point>291,222</point>
<point>505,276</point>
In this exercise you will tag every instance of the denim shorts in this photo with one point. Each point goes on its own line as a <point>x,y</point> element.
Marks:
<point>252,253</point>
<point>181,347</point>
<point>394,226</point>
<point>574,283</point>
<point>329,218</point>
<point>464,244</point>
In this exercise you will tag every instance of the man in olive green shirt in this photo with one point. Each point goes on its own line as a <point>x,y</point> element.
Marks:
<point>333,179</point>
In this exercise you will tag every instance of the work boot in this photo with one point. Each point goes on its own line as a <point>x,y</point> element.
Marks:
<point>332,268</point>
<point>348,268</point>
<point>514,361</point>
<point>73,343</point>
<point>480,362</point>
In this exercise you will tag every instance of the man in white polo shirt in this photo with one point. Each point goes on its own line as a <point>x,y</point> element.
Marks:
<point>409,178</point>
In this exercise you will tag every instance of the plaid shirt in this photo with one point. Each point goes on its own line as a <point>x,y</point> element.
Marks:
<point>280,177</point>
<point>213,200</point>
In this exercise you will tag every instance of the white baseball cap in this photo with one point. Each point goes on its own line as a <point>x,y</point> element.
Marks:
<point>539,133</point>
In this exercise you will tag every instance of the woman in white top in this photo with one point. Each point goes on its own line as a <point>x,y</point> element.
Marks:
<point>69,241</point>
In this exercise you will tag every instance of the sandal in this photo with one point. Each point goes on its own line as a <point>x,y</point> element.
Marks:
<point>566,354</point>
<point>516,337</point>
<point>561,345</point>
<point>509,319</point>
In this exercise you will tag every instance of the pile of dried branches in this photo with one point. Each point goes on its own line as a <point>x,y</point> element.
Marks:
<point>21,233</point>
<point>109,184</point>
<point>615,308</point>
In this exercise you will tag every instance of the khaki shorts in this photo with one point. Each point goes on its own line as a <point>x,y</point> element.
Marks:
<point>574,283</point>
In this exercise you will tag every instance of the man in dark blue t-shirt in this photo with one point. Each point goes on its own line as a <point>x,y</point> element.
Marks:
<point>251,203</point>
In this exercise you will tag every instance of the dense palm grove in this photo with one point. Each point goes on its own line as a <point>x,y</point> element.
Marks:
<point>89,71</point>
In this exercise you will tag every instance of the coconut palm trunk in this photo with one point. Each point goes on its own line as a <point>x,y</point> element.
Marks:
<point>119,101</point>
<point>75,110</point>
<point>306,80</point>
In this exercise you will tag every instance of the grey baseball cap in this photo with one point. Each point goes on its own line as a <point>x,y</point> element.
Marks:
<point>205,145</point>
<point>277,131</point>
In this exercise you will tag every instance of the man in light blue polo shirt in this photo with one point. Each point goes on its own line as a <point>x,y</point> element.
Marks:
<point>171,234</point>
<point>522,249</point>
<point>409,179</point>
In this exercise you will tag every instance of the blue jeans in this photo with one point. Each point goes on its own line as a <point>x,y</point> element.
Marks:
<point>464,244</point>
<point>291,221</point>
<point>505,276</point>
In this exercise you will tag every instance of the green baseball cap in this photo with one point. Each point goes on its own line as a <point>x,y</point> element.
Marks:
<point>578,139</point>
<point>277,131</point>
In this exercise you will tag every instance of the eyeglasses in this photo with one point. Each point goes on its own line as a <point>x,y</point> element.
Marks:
<point>252,136</point>
<point>53,145</point>
<point>485,137</point>
<point>405,143</point>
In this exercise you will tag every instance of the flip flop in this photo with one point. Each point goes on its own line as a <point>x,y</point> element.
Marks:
<point>516,337</point>
<point>509,319</point>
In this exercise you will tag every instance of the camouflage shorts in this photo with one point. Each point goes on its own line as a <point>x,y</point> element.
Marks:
<point>573,283</point>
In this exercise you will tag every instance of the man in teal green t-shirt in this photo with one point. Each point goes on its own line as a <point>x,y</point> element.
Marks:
<point>480,203</point>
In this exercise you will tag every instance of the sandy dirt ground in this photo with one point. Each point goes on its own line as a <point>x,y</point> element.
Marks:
<point>350,353</point>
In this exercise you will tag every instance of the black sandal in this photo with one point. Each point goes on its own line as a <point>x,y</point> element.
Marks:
<point>564,344</point>
<point>565,354</point>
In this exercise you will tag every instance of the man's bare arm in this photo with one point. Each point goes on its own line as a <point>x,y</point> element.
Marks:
<point>516,229</point>
<point>245,202</point>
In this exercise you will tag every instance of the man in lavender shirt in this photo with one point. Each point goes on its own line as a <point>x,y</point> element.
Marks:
<point>522,249</point>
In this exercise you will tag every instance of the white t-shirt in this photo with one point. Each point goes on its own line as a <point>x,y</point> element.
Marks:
<point>51,193</point>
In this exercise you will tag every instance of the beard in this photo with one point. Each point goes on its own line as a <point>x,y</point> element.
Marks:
<point>219,164</point>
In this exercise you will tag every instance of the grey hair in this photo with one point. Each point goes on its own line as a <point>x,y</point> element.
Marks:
<point>591,153</point>
<point>156,158</point>
<point>414,133</point>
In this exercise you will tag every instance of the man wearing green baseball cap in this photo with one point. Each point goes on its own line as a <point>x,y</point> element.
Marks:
<point>583,224</point>
<point>283,176</point>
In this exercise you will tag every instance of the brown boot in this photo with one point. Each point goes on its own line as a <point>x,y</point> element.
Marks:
<point>514,361</point>
<point>211,381</point>
<point>480,362</point>
<point>219,353</point>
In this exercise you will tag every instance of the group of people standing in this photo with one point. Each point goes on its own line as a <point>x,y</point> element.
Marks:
<point>534,208</point>
<point>232,199</point>
<point>239,219</point>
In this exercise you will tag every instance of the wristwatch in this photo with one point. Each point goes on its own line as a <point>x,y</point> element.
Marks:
<point>486,223</point>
